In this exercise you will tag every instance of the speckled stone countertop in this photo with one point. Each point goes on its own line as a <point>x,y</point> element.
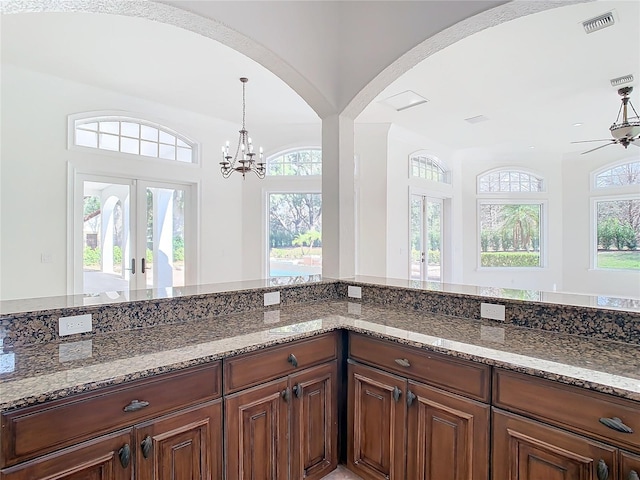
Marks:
<point>37,373</point>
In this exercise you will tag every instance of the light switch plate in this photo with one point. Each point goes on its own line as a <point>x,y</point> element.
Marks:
<point>354,292</point>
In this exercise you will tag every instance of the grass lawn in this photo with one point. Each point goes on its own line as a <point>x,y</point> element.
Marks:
<point>616,259</point>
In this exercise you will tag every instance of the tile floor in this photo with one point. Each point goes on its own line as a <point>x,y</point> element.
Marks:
<point>341,473</point>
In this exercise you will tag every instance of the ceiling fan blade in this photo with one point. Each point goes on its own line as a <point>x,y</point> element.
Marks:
<point>598,148</point>
<point>600,140</point>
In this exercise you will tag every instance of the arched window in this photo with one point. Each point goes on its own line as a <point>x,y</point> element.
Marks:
<point>616,210</point>
<point>428,167</point>
<point>510,219</point>
<point>304,161</point>
<point>505,181</point>
<point>133,136</point>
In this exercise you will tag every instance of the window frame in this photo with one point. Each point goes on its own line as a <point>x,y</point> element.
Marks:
<point>511,169</point>
<point>632,187</point>
<point>439,163</point>
<point>75,120</point>
<point>281,153</point>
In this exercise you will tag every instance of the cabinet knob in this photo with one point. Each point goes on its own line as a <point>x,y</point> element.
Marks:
<point>602,470</point>
<point>410,398</point>
<point>297,390</point>
<point>293,360</point>
<point>125,455</point>
<point>396,393</point>
<point>146,446</point>
<point>136,405</point>
<point>403,362</point>
<point>286,395</point>
<point>616,424</point>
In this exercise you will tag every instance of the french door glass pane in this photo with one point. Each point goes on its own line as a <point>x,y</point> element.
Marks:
<point>165,237</point>
<point>434,235</point>
<point>295,234</point>
<point>416,238</point>
<point>105,235</point>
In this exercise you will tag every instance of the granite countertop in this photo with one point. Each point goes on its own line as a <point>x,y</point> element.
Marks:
<point>34,374</point>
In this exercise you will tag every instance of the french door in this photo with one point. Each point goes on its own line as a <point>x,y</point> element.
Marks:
<point>425,261</point>
<point>131,234</point>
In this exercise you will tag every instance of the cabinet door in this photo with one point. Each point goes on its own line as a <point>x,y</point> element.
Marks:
<point>105,458</point>
<point>376,411</point>
<point>186,444</point>
<point>257,433</point>
<point>314,422</point>
<point>630,466</point>
<point>528,450</point>
<point>447,436</point>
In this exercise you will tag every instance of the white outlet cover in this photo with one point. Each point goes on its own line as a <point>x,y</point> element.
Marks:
<point>271,298</point>
<point>74,324</point>
<point>354,292</point>
<point>492,311</point>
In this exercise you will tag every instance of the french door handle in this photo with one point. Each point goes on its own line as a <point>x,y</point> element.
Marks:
<point>144,265</point>
<point>133,266</point>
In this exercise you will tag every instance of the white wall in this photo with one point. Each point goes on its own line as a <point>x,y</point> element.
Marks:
<point>34,184</point>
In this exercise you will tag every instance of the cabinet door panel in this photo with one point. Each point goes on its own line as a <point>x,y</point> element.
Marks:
<point>527,450</point>
<point>630,466</point>
<point>448,436</point>
<point>186,445</point>
<point>257,434</point>
<point>376,424</point>
<point>97,459</point>
<point>314,422</point>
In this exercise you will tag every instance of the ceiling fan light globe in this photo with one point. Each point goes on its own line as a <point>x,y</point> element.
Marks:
<point>622,130</point>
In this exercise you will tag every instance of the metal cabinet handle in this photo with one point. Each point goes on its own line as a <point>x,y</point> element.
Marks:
<point>136,405</point>
<point>603,470</point>
<point>297,390</point>
<point>396,393</point>
<point>403,362</point>
<point>286,394</point>
<point>293,360</point>
<point>125,455</point>
<point>633,475</point>
<point>146,446</point>
<point>410,398</point>
<point>616,424</point>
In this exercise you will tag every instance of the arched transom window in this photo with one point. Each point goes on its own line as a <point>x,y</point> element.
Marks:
<point>306,161</point>
<point>133,136</point>
<point>427,167</point>
<point>504,181</point>
<point>618,176</point>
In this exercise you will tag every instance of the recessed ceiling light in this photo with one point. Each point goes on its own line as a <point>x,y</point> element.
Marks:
<point>404,100</point>
<point>577,124</point>
<point>532,147</point>
<point>476,119</point>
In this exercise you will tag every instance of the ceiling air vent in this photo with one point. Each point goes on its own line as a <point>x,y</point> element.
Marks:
<point>599,22</point>
<point>616,82</point>
<point>476,119</point>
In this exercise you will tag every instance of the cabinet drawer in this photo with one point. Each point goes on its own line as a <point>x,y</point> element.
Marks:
<point>570,407</point>
<point>458,376</point>
<point>258,367</point>
<point>43,428</point>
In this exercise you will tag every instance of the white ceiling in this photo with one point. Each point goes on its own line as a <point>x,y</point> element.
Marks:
<point>533,77</point>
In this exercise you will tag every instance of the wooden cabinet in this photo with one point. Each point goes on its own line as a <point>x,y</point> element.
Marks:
<point>629,466</point>
<point>105,458</point>
<point>186,444</point>
<point>400,428</point>
<point>164,427</point>
<point>287,427</point>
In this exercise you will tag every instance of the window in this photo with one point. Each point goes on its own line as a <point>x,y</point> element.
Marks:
<point>510,223</point>
<point>509,181</point>
<point>617,217</point>
<point>296,162</point>
<point>427,167</point>
<point>295,234</point>
<point>137,137</point>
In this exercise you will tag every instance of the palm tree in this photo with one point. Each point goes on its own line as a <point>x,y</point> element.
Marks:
<point>523,221</point>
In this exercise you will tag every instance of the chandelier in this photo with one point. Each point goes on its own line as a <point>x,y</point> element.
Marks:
<point>244,160</point>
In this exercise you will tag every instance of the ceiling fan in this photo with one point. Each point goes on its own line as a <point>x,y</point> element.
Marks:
<point>625,132</point>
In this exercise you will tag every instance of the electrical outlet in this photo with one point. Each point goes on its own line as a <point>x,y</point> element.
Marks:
<point>492,311</point>
<point>271,298</point>
<point>354,292</point>
<point>74,324</point>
